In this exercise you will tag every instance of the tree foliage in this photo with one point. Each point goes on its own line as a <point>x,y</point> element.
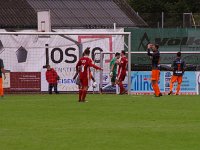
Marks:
<point>167,6</point>
<point>150,10</point>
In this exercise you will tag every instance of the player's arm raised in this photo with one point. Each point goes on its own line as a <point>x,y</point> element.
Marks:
<point>149,46</point>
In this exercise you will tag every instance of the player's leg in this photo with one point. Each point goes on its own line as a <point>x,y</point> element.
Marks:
<point>117,89</point>
<point>80,94</point>
<point>93,79</point>
<point>1,87</point>
<point>112,83</point>
<point>121,86</point>
<point>84,89</point>
<point>80,90</point>
<point>106,86</point>
<point>172,81</point>
<point>56,88</point>
<point>179,80</point>
<point>84,93</point>
<point>50,88</point>
<point>157,79</point>
<point>154,81</point>
<point>155,87</point>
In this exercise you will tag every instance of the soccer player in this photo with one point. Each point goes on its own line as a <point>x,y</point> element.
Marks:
<point>155,76</point>
<point>1,80</point>
<point>52,78</point>
<point>77,78</point>
<point>122,71</point>
<point>113,72</point>
<point>84,65</point>
<point>178,67</point>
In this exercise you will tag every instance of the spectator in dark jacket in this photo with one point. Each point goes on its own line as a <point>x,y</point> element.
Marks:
<point>52,78</point>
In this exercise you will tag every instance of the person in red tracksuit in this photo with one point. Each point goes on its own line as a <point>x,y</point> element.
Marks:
<point>122,71</point>
<point>83,67</point>
<point>52,78</point>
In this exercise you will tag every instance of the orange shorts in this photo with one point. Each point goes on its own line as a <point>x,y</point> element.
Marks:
<point>176,79</point>
<point>155,75</point>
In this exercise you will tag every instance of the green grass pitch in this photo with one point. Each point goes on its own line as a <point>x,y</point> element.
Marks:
<point>106,122</point>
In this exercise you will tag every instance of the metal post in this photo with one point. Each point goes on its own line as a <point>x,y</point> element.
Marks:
<point>47,54</point>
<point>129,64</point>
<point>80,47</point>
<point>101,72</point>
<point>115,26</point>
<point>162,19</point>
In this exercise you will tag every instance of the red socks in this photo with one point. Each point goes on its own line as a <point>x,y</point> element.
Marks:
<point>121,87</point>
<point>82,95</point>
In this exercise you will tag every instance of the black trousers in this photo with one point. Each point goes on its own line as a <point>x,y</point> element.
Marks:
<point>51,86</point>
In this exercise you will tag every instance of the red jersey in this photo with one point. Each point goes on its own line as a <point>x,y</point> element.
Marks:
<point>84,65</point>
<point>122,66</point>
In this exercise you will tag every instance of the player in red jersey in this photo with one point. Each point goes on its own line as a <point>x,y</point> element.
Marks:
<point>77,78</point>
<point>122,71</point>
<point>83,66</point>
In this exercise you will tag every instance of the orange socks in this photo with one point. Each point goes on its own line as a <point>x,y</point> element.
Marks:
<point>171,86</point>
<point>156,89</point>
<point>178,88</point>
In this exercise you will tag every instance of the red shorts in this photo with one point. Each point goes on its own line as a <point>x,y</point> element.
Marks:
<point>84,82</point>
<point>176,79</point>
<point>155,75</point>
<point>122,77</point>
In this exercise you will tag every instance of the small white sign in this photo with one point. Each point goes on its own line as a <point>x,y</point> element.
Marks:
<point>6,82</point>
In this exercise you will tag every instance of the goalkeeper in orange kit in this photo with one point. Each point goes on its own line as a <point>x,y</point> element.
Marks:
<point>178,67</point>
<point>155,58</point>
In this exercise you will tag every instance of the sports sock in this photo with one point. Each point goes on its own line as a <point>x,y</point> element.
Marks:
<point>109,84</point>
<point>121,87</point>
<point>80,94</point>
<point>157,89</point>
<point>84,95</point>
<point>178,88</point>
<point>171,86</point>
<point>117,89</point>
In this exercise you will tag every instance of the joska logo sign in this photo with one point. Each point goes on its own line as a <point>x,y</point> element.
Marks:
<point>70,55</point>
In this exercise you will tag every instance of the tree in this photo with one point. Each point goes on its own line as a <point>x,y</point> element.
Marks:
<point>150,10</point>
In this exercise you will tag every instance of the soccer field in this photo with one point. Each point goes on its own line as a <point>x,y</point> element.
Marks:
<point>106,122</point>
